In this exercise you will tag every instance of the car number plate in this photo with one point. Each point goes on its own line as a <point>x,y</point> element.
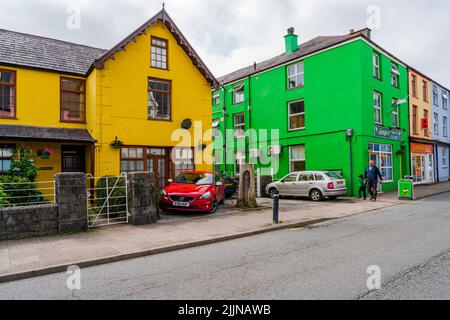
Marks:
<point>181,204</point>
<point>340,183</point>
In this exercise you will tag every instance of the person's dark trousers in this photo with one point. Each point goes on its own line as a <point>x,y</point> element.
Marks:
<point>362,193</point>
<point>373,190</point>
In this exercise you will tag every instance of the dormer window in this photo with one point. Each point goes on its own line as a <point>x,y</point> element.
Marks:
<point>159,53</point>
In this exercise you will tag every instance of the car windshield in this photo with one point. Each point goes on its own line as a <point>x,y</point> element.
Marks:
<point>195,178</point>
<point>334,176</point>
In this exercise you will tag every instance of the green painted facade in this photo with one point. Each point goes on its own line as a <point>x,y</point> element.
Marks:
<point>338,94</point>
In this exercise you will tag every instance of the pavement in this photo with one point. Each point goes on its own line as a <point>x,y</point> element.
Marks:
<point>40,256</point>
<point>409,242</point>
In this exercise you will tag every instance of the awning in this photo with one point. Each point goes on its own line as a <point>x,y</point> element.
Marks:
<point>19,132</point>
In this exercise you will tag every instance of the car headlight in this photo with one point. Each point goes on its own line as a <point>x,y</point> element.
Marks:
<point>164,193</point>
<point>206,196</point>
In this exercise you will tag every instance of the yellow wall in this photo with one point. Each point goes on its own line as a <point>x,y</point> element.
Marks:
<point>421,104</point>
<point>122,102</point>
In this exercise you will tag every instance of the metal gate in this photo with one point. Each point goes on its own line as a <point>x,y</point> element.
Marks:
<point>107,200</point>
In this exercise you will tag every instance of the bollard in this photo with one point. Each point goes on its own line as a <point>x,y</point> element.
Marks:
<point>276,202</point>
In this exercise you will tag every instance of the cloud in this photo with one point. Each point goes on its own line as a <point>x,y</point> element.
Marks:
<point>230,34</point>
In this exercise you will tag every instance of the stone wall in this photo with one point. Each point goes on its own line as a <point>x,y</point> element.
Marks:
<point>24,222</point>
<point>142,198</point>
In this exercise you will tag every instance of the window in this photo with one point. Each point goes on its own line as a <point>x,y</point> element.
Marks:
<point>395,75</point>
<point>73,100</point>
<point>377,107</point>
<point>216,98</point>
<point>319,177</point>
<point>415,120</point>
<point>238,94</point>
<point>425,91</point>
<point>297,160</point>
<point>159,99</point>
<point>7,94</point>
<point>395,118</point>
<point>435,96</point>
<point>6,153</point>
<point>445,126</point>
<point>444,157</point>
<point>296,115</point>
<point>291,178</point>
<point>239,160</point>
<point>132,159</point>
<point>296,75</point>
<point>382,155</point>
<point>414,85</point>
<point>239,125</point>
<point>216,129</point>
<point>376,66</point>
<point>183,160</point>
<point>444,100</point>
<point>425,117</point>
<point>159,53</point>
<point>436,123</point>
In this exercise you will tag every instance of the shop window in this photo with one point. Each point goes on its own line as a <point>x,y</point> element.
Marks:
<point>73,100</point>
<point>382,155</point>
<point>296,112</point>
<point>6,153</point>
<point>297,159</point>
<point>159,99</point>
<point>7,94</point>
<point>159,53</point>
<point>296,75</point>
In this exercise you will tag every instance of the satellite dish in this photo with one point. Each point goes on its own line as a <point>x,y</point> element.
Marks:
<point>186,124</point>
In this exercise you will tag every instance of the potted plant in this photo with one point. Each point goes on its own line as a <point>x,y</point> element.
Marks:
<point>116,144</point>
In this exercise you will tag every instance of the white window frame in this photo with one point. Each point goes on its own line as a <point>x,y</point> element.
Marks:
<point>395,75</point>
<point>291,160</point>
<point>378,109</point>
<point>436,123</point>
<point>216,98</point>
<point>376,65</point>
<point>296,74</point>
<point>239,128</point>
<point>296,114</point>
<point>444,100</point>
<point>435,96</point>
<point>238,93</point>
<point>395,114</point>
<point>382,168</point>
<point>239,160</point>
<point>445,126</point>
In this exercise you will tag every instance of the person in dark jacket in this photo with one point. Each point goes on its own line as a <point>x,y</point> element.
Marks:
<point>373,176</point>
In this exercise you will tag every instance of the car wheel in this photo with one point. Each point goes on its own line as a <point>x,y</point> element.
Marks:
<point>316,195</point>
<point>272,193</point>
<point>215,206</point>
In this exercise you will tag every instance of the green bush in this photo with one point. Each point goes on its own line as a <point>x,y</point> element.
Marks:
<point>23,165</point>
<point>19,190</point>
<point>117,196</point>
<point>3,201</point>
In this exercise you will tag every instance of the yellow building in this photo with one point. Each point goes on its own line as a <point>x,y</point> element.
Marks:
<point>105,112</point>
<point>422,149</point>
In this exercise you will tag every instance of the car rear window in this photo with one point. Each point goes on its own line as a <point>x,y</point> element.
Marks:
<point>334,176</point>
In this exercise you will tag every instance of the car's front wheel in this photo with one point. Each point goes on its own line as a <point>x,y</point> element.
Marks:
<point>272,192</point>
<point>215,206</point>
<point>316,195</point>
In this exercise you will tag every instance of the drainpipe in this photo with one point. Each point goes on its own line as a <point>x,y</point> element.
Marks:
<point>250,109</point>
<point>436,162</point>
<point>349,137</point>
<point>224,116</point>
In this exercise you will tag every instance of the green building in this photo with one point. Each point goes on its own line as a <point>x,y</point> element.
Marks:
<point>334,103</point>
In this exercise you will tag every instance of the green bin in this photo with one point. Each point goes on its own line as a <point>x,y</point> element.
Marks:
<point>406,189</point>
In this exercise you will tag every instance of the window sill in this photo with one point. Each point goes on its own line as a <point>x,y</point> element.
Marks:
<point>9,118</point>
<point>376,78</point>
<point>74,122</point>
<point>295,130</point>
<point>298,87</point>
<point>161,120</point>
<point>167,69</point>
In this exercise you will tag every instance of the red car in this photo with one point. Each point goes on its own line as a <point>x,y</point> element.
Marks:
<point>194,191</point>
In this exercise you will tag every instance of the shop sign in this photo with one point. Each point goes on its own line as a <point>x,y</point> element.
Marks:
<point>422,148</point>
<point>388,133</point>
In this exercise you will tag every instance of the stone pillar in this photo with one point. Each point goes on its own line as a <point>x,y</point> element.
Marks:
<point>71,198</point>
<point>246,192</point>
<point>142,205</point>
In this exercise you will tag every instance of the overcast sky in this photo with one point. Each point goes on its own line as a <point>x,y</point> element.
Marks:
<point>230,34</point>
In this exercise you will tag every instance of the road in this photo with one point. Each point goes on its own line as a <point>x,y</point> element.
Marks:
<point>409,243</point>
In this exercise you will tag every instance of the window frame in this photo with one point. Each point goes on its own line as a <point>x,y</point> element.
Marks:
<point>380,152</point>
<point>239,125</point>
<point>291,160</point>
<point>14,84</point>
<point>435,96</point>
<point>296,114</point>
<point>296,74</point>
<point>61,90</point>
<point>380,108</point>
<point>216,98</point>
<point>436,123</point>
<point>445,126</point>
<point>236,88</point>
<point>414,85</point>
<point>161,47</point>
<point>444,157</point>
<point>169,82</point>
<point>395,75</point>
<point>425,91</point>
<point>396,113</point>
<point>2,158</point>
<point>415,119</point>
<point>444,100</point>
<point>376,66</point>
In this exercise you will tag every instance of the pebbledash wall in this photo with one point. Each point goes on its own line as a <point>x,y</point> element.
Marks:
<point>69,213</point>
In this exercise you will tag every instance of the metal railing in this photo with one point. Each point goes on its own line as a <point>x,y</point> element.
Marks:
<point>107,200</point>
<point>19,194</point>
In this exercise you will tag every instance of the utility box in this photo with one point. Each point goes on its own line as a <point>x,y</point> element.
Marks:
<point>406,188</point>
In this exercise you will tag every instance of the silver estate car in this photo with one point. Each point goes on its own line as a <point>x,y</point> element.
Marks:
<point>313,184</point>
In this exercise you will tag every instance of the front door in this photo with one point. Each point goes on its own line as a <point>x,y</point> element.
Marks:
<point>73,159</point>
<point>378,162</point>
<point>158,163</point>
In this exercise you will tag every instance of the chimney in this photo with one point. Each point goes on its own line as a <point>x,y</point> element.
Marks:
<point>291,41</point>
<point>364,32</point>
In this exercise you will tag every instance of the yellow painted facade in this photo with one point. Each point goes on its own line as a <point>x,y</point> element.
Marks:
<point>117,105</point>
<point>419,105</point>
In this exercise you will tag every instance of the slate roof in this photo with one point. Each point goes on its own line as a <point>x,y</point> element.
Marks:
<point>16,132</point>
<point>309,47</point>
<point>26,50</point>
